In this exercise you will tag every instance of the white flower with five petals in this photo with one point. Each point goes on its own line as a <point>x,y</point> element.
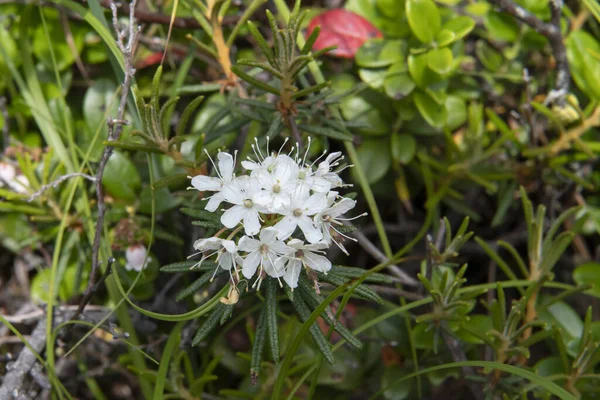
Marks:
<point>298,213</point>
<point>224,169</point>
<point>226,250</point>
<point>241,193</point>
<point>305,255</point>
<point>265,253</point>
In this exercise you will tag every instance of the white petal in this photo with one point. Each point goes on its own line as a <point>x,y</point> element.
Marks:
<point>317,262</point>
<point>226,261</point>
<point>250,165</point>
<point>251,222</point>
<point>229,245</point>
<point>203,183</point>
<point>250,264</point>
<point>263,198</point>
<point>233,216</point>
<point>292,273</point>
<point>248,244</point>
<point>211,243</point>
<point>315,203</point>
<point>342,207</point>
<point>225,165</point>
<point>277,270</point>
<point>286,227</point>
<point>322,245</point>
<point>267,235</point>
<point>214,202</point>
<point>280,248</point>
<point>311,233</point>
<point>296,244</point>
<point>232,193</point>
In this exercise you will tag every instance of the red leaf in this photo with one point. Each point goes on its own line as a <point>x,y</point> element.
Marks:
<point>344,29</point>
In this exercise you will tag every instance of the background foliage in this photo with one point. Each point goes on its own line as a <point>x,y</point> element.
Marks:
<point>473,131</point>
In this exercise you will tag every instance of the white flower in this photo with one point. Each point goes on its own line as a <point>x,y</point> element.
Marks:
<point>9,177</point>
<point>305,256</point>
<point>266,252</point>
<point>226,250</point>
<point>224,170</point>
<point>278,183</point>
<point>298,214</point>
<point>7,173</point>
<point>324,170</point>
<point>326,219</point>
<point>241,193</point>
<point>136,258</point>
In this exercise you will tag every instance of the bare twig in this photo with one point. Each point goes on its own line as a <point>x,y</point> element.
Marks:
<point>458,355</point>
<point>20,369</point>
<point>377,254</point>
<point>551,30</point>
<point>58,181</point>
<point>126,40</point>
<point>5,125</point>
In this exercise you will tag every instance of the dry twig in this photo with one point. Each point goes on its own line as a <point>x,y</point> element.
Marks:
<point>57,182</point>
<point>126,40</point>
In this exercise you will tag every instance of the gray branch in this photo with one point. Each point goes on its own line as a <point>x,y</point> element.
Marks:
<point>58,182</point>
<point>126,41</point>
<point>551,30</point>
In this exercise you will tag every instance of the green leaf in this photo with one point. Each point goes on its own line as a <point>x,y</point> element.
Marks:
<point>563,316</point>
<point>424,19</point>
<point>501,26</point>
<point>580,47</point>
<point>403,148</point>
<point>121,179</point>
<point>253,81</point>
<point>165,361</point>
<point>375,158</point>
<point>588,273</point>
<point>378,52</point>
<point>460,26</point>
<point>197,284</point>
<point>209,324</point>
<point>389,376</point>
<point>434,113</point>
<point>271,310</point>
<point>421,74</point>
<point>184,266</point>
<point>171,181</point>
<point>259,345</point>
<point>54,35</point>
<point>328,132</point>
<point>398,83</point>
<point>440,60</point>
<point>456,108</point>
<point>444,38</point>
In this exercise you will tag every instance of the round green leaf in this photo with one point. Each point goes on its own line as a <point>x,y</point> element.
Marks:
<point>420,73</point>
<point>398,83</point>
<point>563,316</point>
<point>460,26</point>
<point>403,148</point>
<point>387,15</point>
<point>121,179</point>
<point>502,26</point>
<point>445,37</point>
<point>588,273</point>
<point>440,60</point>
<point>395,392</point>
<point>434,113</point>
<point>379,52</point>
<point>375,159</point>
<point>457,112</point>
<point>549,366</point>
<point>368,107</point>
<point>373,77</point>
<point>424,19</point>
<point>581,47</point>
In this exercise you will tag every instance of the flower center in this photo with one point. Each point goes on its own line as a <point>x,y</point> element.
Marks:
<point>276,188</point>
<point>271,167</point>
<point>297,212</point>
<point>299,254</point>
<point>248,203</point>
<point>264,249</point>
<point>301,175</point>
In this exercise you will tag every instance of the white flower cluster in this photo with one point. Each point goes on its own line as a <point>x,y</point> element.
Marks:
<point>280,196</point>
